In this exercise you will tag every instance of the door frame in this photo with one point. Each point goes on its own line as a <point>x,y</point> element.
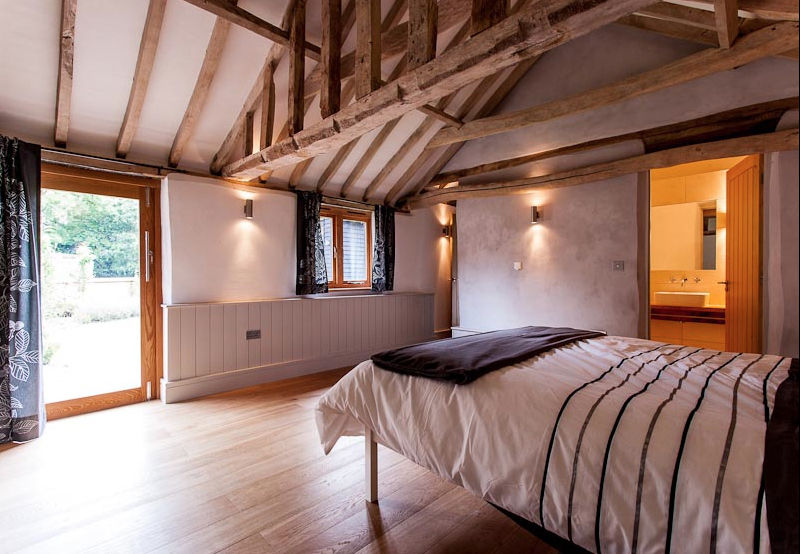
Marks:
<point>147,191</point>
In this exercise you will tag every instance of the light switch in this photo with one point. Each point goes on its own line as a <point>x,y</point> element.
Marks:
<point>517,266</point>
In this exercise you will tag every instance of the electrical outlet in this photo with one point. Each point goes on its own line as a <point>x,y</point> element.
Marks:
<point>517,266</point>
<point>618,265</point>
<point>253,334</point>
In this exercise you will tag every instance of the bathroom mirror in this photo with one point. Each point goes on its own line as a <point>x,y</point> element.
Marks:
<point>683,236</point>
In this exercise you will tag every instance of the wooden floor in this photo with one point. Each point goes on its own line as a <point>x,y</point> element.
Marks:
<point>237,472</point>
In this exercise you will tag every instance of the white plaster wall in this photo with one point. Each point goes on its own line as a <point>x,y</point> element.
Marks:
<point>566,276</point>
<point>212,254</point>
<point>423,256</point>
<point>781,260</point>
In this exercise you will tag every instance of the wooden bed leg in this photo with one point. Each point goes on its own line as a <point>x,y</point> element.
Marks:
<point>371,465</point>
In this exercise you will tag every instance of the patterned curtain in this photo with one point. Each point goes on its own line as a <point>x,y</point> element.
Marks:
<point>312,276</point>
<point>383,256</point>
<point>21,401</point>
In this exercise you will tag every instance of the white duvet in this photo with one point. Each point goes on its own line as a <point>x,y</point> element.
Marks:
<point>498,438</point>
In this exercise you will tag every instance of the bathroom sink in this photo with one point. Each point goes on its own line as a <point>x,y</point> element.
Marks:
<point>688,299</point>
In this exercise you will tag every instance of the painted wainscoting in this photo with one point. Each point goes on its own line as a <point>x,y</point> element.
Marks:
<point>207,350</point>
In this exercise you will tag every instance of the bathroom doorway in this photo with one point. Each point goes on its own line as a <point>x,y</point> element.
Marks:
<point>705,254</point>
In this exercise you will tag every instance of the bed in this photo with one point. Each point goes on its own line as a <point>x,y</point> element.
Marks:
<point>614,444</point>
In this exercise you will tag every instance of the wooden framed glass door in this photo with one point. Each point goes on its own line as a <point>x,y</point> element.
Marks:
<point>100,289</point>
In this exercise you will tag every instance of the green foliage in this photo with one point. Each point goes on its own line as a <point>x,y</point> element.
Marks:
<point>101,229</point>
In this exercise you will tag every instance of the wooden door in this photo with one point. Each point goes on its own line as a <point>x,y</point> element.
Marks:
<point>111,320</point>
<point>743,257</point>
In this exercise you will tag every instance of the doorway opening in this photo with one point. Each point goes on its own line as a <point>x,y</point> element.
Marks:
<point>99,290</point>
<point>705,254</point>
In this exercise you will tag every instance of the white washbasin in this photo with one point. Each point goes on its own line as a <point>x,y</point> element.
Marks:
<point>689,299</point>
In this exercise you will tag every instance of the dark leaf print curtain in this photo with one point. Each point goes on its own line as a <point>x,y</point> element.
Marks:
<point>312,277</point>
<point>21,400</point>
<point>383,256</point>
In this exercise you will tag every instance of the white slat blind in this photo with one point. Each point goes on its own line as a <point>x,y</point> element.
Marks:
<point>354,246</point>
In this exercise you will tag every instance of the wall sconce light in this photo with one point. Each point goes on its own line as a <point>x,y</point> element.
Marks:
<point>535,215</point>
<point>447,231</point>
<point>248,208</point>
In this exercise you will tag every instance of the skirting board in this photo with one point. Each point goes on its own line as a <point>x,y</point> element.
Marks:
<point>187,389</point>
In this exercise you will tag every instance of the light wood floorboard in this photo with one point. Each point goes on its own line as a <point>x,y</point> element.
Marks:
<point>237,472</point>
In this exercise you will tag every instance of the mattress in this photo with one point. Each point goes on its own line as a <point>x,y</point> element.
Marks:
<point>616,444</point>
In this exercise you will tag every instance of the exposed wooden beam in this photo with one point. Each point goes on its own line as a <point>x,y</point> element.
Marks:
<point>769,41</point>
<point>726,15</point>
<point>677,13</point>
<point>335,163</point>
<point>329,97</point>
<point>441,115</point>
<point>267,108</point>
<point>368,46</point>
<point>65,57</point>
<point>249,132</point>
<point>776,10</point>
<point>532,31</point>
<point>408,146</point>
<point>422,18</point>
<point>394,39</point>
<point>297,67</point>
<point>485,13</point>
<point>768,142</point>
<point>242,18</point>
<point>753,119</point>
<point>672,29</point>
<point>274,56</point>
<point>443,155</point>
<point>141,76</point>
<point>298,172</point>
<point>375,144</point>
<point>392,16</point>
<point>379,140</point>
<point>216,43</point>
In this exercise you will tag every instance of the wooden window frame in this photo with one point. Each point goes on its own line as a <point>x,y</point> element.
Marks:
<point>338,215</point>
<point>73,179</point>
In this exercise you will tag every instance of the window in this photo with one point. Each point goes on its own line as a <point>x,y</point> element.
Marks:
<point>347,238</point>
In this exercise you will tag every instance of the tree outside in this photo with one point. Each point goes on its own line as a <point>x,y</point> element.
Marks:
<point>90,293</point>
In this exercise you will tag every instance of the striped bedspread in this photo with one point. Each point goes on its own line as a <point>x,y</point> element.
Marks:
<point>616,444</point>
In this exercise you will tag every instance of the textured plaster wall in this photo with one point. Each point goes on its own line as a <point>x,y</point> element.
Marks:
<point>211,253</point>
<point>781,260</point>
<point>566,276</point>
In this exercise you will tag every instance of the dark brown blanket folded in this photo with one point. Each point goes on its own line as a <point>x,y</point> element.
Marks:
<point>464,359</point>
<point>781,466</point>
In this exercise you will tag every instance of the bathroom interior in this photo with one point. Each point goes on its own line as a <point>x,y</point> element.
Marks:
<point>688,252</point>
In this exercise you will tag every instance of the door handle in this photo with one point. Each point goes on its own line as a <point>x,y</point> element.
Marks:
<point>726,283</point>
<point>148,257</point>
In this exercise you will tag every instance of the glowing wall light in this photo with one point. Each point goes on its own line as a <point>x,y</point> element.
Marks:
<point>248,208</point>
<point>535,215</point>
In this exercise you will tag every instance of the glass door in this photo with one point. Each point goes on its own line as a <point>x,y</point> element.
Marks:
<point>97,254</point>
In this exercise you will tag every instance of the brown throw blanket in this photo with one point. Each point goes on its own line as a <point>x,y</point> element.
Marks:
<point>464,359</point>
<point>781,466</point>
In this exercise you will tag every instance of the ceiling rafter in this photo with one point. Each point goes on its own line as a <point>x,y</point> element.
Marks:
<point>271,61</point>
<point>766,142</point>
<point>216,44</point>
<point>443,155</point>
<point>242,18</point>
<point>65,65</point>
<point>532,31</point>
<point>751,119</point>
<point>141,77</point>
<point>726,15</point>
<point>387,129</point>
